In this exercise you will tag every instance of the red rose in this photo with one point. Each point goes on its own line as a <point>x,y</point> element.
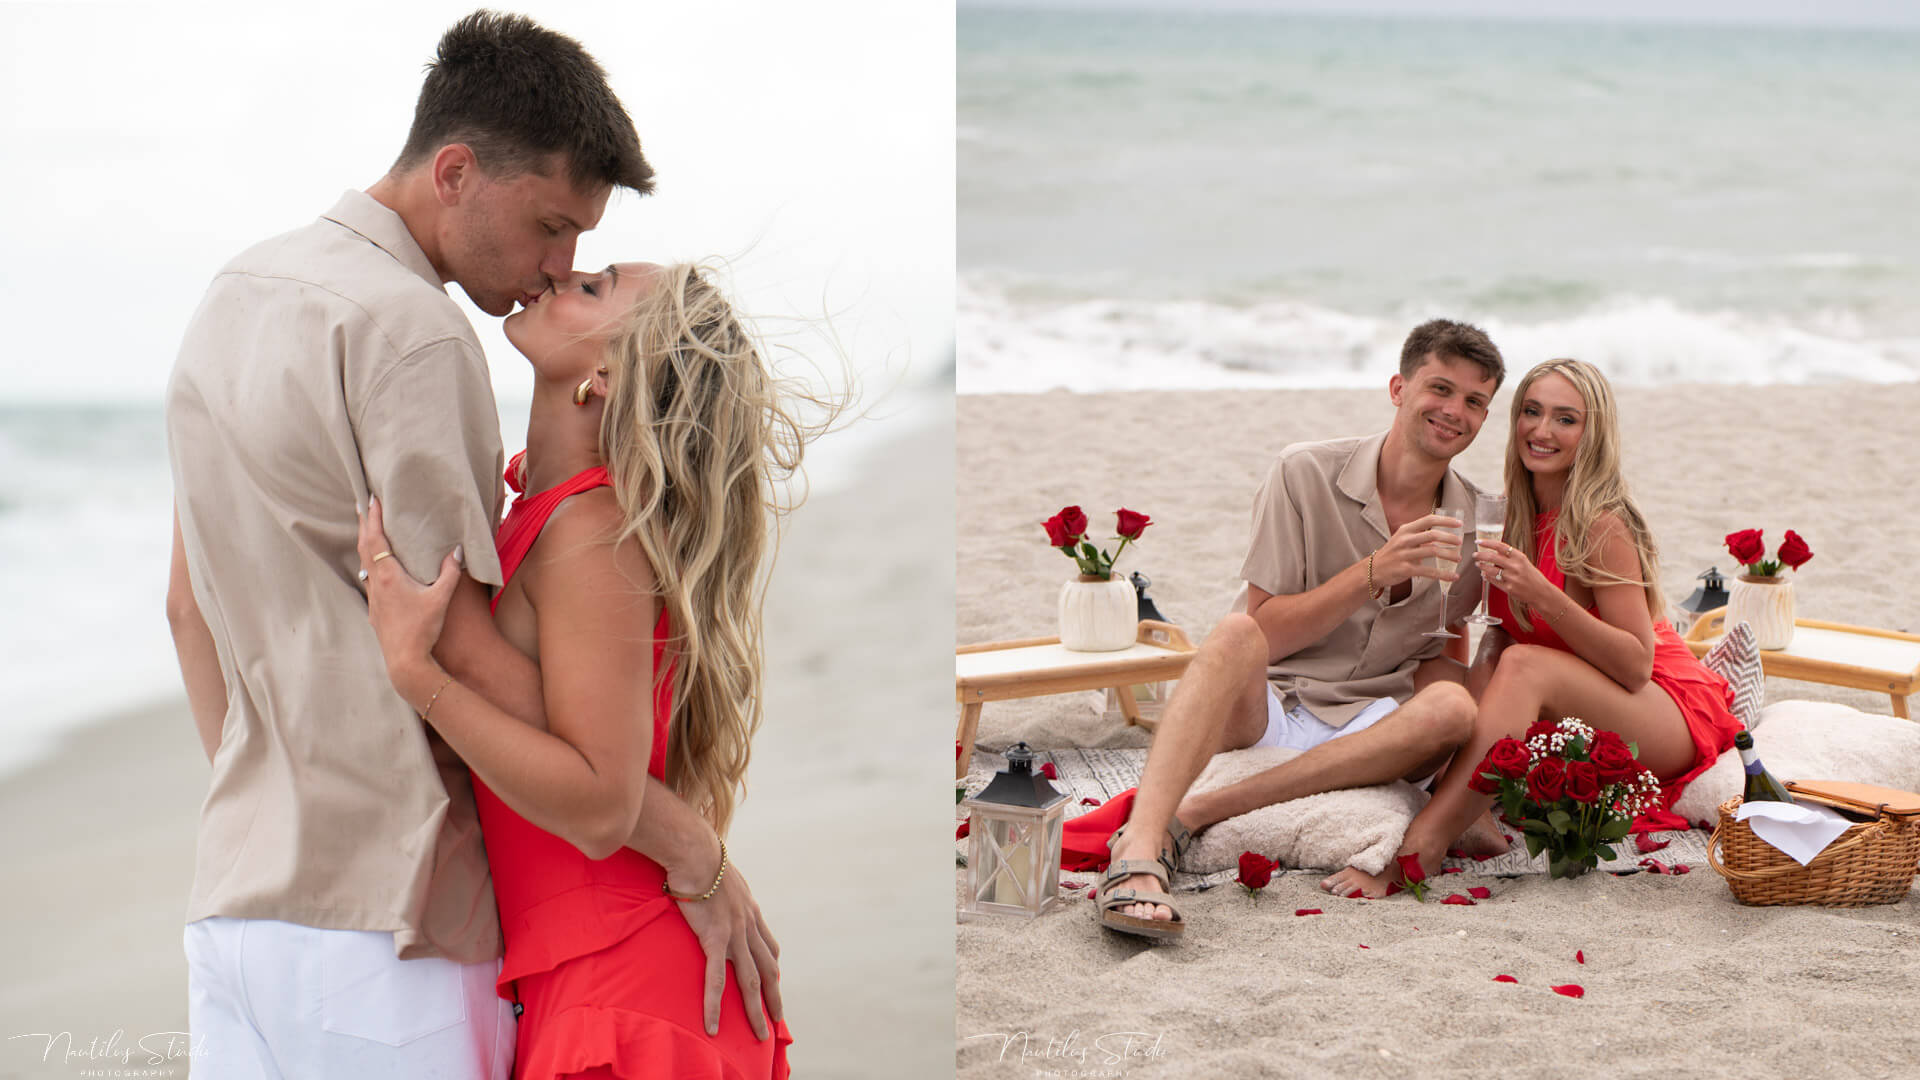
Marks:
<point>1255,870</point>
<point>1611,758</point>
<point>1075,522</point>
<point>1583,782</point>
<point>1509,758</point>
<point>1794,551</point>
<point>1541,727</point>
<point>1410,867</point>
<point>1130,524</point>
<point>1057,533</point>
<point>1481,783</point>
<point>1747,545</point>
<point>1547,782</point>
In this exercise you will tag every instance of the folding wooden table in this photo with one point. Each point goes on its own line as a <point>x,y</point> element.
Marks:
<point>1834,654</point>
<point>1034,667</point>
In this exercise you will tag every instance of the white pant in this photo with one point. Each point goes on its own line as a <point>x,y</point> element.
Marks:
<point>1299,729</point>
<point>269,1000</point>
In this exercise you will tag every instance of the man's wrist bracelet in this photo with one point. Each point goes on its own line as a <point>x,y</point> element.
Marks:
<point>711,889</point>
<point>1373,593</point>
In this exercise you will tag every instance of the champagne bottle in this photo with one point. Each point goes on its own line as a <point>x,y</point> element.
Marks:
<point>1761,786</point>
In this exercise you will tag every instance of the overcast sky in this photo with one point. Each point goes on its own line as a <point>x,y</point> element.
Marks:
<point>1901,13</point>
<point>148,144</point>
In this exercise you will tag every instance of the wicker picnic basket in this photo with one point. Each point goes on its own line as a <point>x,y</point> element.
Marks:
<point>1873,862</point>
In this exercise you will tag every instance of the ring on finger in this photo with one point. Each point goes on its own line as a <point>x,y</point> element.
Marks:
<point>381,555</point>
<point>362,575</point>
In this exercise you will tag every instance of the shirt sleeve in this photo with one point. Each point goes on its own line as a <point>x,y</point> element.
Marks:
<point>1276,559</point>
<point>429,438</point>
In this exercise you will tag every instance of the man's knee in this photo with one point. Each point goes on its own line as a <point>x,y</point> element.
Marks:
<point>1237,645</point>
<point>1448,710</point>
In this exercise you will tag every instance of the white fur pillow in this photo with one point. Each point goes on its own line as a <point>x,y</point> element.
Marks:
<point>1736,658</point>
<point>1359,827</point>
<point>1812,740</point>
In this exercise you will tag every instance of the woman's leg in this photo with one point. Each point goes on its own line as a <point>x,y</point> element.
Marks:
<point>1530,682</point>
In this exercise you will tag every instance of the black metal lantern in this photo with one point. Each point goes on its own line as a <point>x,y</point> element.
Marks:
<point>1710,595</point>
<point>1013,862</point>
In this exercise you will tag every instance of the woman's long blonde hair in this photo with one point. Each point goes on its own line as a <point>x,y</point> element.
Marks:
<point>1596,485</point>
<point>700,438</point>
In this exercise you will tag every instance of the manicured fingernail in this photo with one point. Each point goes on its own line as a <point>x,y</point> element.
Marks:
<point>460,554</point>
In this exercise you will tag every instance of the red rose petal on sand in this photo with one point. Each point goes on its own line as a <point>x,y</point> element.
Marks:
<point>1456,898</point>
<point>1481,858</point>
<point>1579,956</point>
<point>961,832</point>
<point>1393,887</point>
<point>1653,866</point>
<point>1452,870</point>
<point>1505,978</point>
<point>1647,845</point>
<point>1308,911</point>
<point>1455,853</point>
<point>1480,892</point>
<point>1047,770</point>
<point>1073,884</point>
<point>1572,990</point>
<point>1089,801</point>
<point>1091,892</point>
<point>1363,946</point>
<point>1680,868</point>
<point>1357,895</point>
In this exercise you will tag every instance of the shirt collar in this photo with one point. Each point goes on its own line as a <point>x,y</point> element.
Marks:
<point>1360,481</point>
<point>383,228</point>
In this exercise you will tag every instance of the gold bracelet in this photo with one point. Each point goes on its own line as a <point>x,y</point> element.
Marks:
<point>1372,593</point>
<point>435,697</point>
<point>711,889</point>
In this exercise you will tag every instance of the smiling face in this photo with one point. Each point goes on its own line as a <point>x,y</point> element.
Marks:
<point>1442,405</point>
<point>565,331</point>
<point>1548,423</point>
<point>508,240</point>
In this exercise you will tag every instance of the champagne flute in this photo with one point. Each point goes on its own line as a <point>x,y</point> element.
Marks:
<point>1489,523</point>
<point>1445,564</point>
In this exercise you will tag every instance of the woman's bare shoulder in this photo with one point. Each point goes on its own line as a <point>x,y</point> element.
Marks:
<point>582,541</point>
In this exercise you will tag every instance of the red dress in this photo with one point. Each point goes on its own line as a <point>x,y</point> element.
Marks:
<point>606,968</point>
<point>1704,698</point>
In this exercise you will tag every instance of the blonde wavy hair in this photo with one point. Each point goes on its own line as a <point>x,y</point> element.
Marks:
<point>1595,486</point>
<point>700,439</point>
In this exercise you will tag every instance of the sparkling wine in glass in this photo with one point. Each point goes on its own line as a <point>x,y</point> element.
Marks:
<point>1445,564</point>
<point>1489,522</point>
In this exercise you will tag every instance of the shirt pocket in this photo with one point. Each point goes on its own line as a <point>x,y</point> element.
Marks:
<point>367,993</point>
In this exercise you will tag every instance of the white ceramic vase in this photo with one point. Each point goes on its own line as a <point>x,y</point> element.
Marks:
<point>1766,604</point>
<point>1098,615</point>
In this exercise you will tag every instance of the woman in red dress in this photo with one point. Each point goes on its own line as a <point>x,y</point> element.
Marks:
<point>1583,627</point>
<point>633,567</point>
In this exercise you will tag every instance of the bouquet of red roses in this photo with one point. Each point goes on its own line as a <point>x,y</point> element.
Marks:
<point>1570,790</point>
<point>1750,547</point>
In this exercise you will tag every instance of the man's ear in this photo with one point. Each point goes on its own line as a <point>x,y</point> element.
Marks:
<point>1396,386</point>
<point>454,171</point>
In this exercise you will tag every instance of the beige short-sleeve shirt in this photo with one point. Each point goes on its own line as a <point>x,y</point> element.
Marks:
<point>1319,512</point>
<point>321,365</point>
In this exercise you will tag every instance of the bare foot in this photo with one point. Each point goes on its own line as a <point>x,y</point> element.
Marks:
<point>1354,883</point>
<point>1484,837</point>
<point>1128,848</point>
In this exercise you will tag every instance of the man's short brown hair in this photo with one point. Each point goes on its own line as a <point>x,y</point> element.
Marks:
<point>517,93</point>
<point>1452,341</point>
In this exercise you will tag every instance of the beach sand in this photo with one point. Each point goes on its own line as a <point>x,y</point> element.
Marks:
<point>1680,979</point>
<point>98,861</point>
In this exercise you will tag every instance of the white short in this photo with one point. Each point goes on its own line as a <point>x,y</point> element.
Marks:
<point>1299,729</point>
<point>268,1000</point>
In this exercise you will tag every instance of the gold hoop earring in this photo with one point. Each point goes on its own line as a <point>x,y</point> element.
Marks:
<point>582,392</point>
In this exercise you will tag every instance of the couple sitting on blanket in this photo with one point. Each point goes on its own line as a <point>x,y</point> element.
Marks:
<point>1330,656</point>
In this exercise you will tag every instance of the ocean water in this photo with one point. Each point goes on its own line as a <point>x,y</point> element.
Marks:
<point>86,503</point>
<point>1208,199</point>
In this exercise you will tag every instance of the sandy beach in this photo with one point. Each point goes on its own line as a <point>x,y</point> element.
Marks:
<point>1680,979</point>
<point>98,862</point>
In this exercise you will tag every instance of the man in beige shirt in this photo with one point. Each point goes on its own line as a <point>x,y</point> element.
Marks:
<point>1329,656</point>
<point>342,919</point>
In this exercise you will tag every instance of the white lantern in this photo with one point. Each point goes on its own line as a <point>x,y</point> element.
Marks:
<point>1013,860</point>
